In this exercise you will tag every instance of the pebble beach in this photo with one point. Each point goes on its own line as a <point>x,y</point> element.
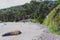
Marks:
<point>30,31</point>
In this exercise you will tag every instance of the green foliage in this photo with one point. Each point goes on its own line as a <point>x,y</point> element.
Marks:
<point>53,20</point>
<point>52,27</point>
<point>56,21</point>
<point>50,16</point>
<point>33,10</point>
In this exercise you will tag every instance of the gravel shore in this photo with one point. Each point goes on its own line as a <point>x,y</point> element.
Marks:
<point>30,31</point>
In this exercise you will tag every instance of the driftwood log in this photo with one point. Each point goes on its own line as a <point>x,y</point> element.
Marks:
<point>12,33</point>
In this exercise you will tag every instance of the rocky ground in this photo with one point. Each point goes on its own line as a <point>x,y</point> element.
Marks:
<point>30,31</point>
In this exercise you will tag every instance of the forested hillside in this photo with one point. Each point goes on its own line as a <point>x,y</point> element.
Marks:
<point>33,10</point>
<point>53,20</point>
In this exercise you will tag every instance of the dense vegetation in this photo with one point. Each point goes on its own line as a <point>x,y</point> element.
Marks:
<point>33,10</point>
<point>53,19</point>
